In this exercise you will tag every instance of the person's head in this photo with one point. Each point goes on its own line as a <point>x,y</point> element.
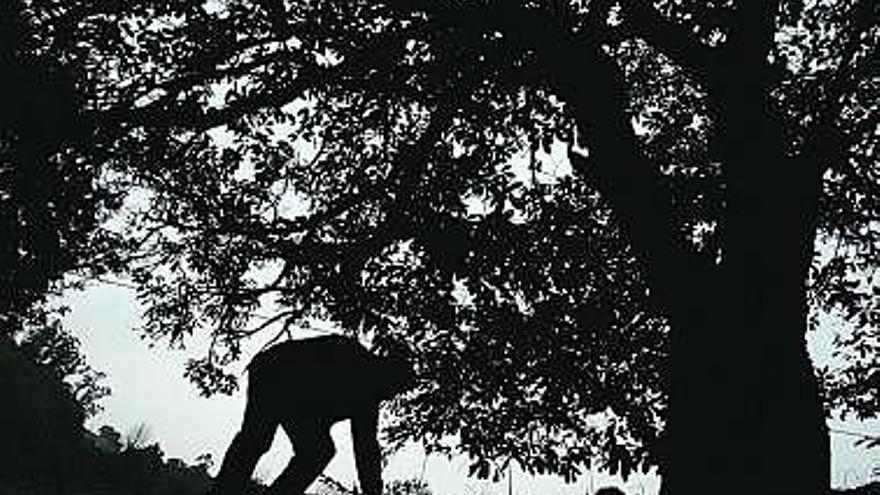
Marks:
<point>400,373</point>
<point>396,366</point>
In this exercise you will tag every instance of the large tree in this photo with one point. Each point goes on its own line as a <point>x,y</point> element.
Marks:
<point>547,199</point>
<point>51,206</point>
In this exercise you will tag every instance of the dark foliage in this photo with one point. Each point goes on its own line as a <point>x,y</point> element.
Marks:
<point>139,469</point>
<point>40,420</point>
<point>45,342</point>
<point>51,456</point>
<point>51,205</point>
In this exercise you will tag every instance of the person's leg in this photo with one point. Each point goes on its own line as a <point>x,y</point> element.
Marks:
<point>313,449</point>
<point>367,453</point>
<point>251,442</point>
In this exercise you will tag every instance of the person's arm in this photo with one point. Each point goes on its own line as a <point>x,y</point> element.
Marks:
<point>367,454</point>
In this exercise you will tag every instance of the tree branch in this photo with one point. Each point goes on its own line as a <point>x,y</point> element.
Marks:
<point>160,114</point>
<point>594,87</point>
<point>674,40</point>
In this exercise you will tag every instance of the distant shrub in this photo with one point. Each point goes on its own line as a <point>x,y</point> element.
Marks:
<point>44,448</point>
<point>40,421</point>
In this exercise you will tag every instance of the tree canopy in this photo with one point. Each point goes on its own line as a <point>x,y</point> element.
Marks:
<point>439,173</point>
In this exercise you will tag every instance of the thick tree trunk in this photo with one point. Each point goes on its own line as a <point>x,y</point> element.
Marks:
<point>779,440</point>
<point>746,416</point>
<point>745,411</point>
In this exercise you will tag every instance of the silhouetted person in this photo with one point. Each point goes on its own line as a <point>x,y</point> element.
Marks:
<point>305,386</point>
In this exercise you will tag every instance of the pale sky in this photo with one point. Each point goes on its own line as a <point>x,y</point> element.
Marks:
<point>148,387</point>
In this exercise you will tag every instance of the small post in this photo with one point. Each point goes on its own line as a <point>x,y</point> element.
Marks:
<point>509,478</point>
